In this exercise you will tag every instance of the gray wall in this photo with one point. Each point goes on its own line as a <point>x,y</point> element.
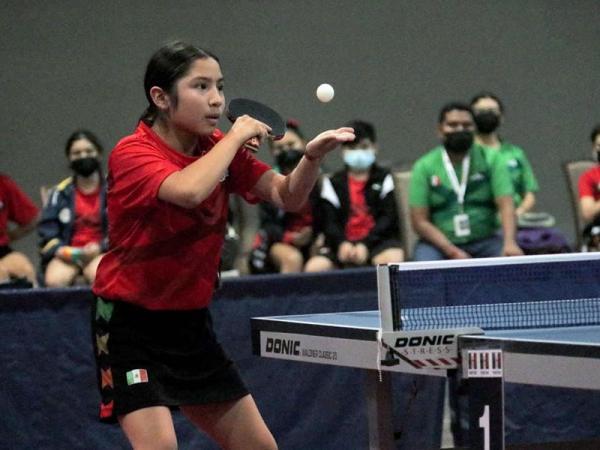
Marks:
<point>74,64</point>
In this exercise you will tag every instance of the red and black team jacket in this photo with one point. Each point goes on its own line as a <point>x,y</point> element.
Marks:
<point>334,207</point>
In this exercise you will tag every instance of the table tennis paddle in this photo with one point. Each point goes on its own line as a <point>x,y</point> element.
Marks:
<point>240,106</point>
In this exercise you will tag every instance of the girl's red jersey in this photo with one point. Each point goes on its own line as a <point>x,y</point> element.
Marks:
<point>163,256</point>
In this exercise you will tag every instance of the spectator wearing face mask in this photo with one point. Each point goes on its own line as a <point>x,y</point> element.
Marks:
<point>285,240</point>
<point>272,220</point>
<point>358,209</point>
<point>73,227</point>
<point>536,233</point>
<point>488,114</point>
<point>457,190</point>
<point>589,194</point>
<point>293,139</point>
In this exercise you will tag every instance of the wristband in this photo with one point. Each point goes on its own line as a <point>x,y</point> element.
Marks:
<point>72,254</point>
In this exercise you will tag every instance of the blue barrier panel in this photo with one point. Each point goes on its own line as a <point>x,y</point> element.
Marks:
<point>48,392</point>
<point>49,399</point>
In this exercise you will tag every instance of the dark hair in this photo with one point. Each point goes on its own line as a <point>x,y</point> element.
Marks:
<point>595,133</point>
<point>167,65</point>
<point>362,130</point>
<point>488,94</point>
<point>83,134</point>
<point>294,125</point>
<point>291,125</point>
<point>453,106</point>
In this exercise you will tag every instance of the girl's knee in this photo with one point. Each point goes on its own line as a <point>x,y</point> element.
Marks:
<point>318,264</point>
<point>57,279</point>
<point>89,273</point>
<point>292,262</point>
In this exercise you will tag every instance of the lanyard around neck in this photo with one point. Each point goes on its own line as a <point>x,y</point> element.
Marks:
<point>459,189</point>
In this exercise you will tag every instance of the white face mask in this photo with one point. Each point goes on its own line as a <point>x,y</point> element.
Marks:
<point>359,158</point>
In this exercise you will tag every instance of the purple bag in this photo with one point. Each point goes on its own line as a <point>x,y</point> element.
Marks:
<point>538,241</point>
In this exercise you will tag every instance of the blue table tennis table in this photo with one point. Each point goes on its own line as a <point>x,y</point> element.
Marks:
<point>563,356</point>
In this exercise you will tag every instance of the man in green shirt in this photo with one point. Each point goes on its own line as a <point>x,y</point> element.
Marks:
<point>456,192</point>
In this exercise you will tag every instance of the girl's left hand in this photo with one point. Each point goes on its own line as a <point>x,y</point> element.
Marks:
<point>327,141</point>
<point>511,249</point>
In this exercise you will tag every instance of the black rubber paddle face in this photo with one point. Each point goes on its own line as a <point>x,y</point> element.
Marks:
<point>240,106</point>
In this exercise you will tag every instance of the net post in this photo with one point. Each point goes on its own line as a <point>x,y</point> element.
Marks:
<point>384,296</point>
<point>483,368</point>
<point>378,389</point>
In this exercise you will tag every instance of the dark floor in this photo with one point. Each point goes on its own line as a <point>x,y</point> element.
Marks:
<point>574,445</point>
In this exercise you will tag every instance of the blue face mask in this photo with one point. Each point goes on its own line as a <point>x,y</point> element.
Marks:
<point>359,158</point>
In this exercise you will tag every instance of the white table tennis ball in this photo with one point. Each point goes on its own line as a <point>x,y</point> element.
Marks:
<point>325,92</point>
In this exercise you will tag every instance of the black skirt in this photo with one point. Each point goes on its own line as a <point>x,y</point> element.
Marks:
<point>158,358</point>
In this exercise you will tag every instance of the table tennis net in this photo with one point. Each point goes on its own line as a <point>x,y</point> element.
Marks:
<point>536,314</point>
<point>546,280</point>
<point>545,291</point>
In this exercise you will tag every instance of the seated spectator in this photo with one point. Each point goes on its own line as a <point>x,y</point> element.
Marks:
<point>456,192</point>
<point>73,227</point>
<point>488,114</point>
<point>18,217</point>
<point>589,191</point>
<point>357,208</point>
<point>536,233</point>
<point>285,239</point>
<point>237,238</point>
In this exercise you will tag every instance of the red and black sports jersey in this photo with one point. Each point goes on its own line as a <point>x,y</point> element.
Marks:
<point>15,206</point>
<point>360,220</point>
<point>88,220</point>
<point>162,256</point>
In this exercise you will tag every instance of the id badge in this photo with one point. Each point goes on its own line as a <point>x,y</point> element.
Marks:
<point>461,225</point>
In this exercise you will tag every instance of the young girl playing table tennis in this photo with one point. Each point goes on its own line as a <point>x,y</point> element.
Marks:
<point>169,184</point>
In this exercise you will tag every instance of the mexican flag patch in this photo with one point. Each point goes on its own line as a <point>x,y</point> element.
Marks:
<point>137,376</point>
